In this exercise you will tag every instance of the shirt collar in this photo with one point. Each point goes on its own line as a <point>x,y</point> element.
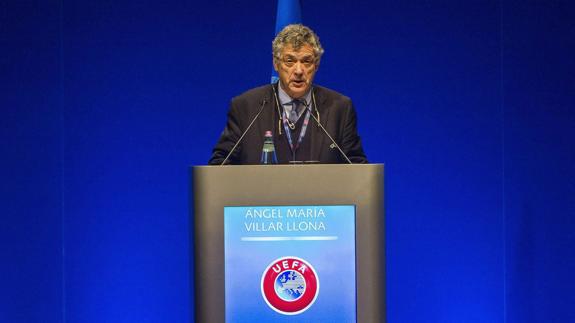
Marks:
<point>286,99</point>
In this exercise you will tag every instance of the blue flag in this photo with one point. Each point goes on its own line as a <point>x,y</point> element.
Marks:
<point>289,12</point>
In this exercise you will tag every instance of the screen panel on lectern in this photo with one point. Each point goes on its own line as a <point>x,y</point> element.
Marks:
<point>286,263</point>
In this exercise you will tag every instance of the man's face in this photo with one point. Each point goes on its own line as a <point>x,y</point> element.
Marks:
<point>296,69</point>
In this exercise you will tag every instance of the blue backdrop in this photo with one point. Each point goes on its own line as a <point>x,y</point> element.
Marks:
<point>105,104</point>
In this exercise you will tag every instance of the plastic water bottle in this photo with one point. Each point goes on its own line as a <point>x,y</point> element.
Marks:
<point>269,150</point>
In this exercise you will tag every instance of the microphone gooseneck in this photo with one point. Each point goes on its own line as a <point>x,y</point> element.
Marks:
<point>264,101</point>
<point>278,108</point>
<point>324,130</point>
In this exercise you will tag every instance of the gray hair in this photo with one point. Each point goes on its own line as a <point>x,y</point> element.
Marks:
<point>296,35</point>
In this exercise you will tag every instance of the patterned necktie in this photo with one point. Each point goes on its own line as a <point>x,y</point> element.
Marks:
<point>293,116</point>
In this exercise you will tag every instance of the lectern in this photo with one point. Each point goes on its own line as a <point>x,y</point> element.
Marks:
<point>288,243</point>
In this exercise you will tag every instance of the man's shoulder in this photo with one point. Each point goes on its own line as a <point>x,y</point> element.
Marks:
<point>255,96</point>
<point>266,90</point>
<point>330,95</point>
<point>326,91</point>
<point>257,93</point>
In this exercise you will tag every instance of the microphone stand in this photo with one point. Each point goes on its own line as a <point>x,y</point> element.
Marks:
<point>327,133</point>
<point>245,132</point>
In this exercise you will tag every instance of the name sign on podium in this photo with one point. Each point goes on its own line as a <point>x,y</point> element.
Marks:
<point>290,263</point>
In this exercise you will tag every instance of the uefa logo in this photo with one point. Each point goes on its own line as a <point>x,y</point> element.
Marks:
<point>290,285</point>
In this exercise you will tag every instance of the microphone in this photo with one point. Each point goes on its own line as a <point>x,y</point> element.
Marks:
<point>264,101</point>
<point>333,143</point>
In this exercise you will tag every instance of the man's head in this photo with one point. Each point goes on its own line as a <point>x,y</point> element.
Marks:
<point>297,53</point>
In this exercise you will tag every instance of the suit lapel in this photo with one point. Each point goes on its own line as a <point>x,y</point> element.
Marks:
<point>267,120</point>
<point>271,122</point>
<point>317,135</point>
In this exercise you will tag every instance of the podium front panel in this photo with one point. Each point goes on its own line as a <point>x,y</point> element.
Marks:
<point>269,198</point>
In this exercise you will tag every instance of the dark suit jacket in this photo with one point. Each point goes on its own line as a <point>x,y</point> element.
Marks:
<point>337,115</point>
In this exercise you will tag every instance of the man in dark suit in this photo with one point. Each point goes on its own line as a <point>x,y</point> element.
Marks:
<point>291,109</point>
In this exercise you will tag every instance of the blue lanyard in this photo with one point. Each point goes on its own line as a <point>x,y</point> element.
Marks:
<point>301,133</point>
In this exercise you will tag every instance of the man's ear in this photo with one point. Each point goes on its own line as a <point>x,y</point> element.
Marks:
<point>276,65</point>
